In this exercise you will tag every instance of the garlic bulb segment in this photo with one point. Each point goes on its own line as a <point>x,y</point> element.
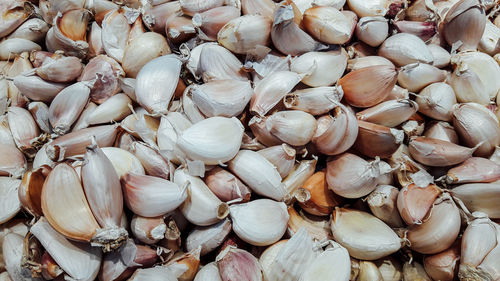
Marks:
<point>94,40</point>
<point>16,46</point>
<point>361,62</point>
<point>333,262</point>
<point>13,249</point>
<point>244,34</point>
<point>382,203</point>
<point>68,33</point>
<point>13,162</point>
<point>74,143</point>
<point>113,109</point>
<point>262,132</point>
<point>350,176</point>
<point>226,186</point>
<point>211,21</point>
<point>24,129</point>
<point>489,266</point>
<point>61,70</point>
<point>10,201</point>
<point>466,118</point>
<point>67,106</point>
<point>141,50</point>
<point>315,101</point>
<point>372,30</point>
<point>317,67</point>
<point>376,140</point>
<point>424,30</point>
<point>40,113</point>
<point>63,200</point>
<point>468,17</point>
<point>442,266</point>
<point>416,76</point>
<point>368,9</point>
<point>271,90</point>
<point>13,15</point>
<point>389,113</point>
<point>437,101</point>
<point>369,271</point>
<point>288,37</point>
<point>414,202</point>
<point>259,222</point>
<point>154,164</point>
<point>218,63</point>
<point>114,34</point>
<point>78,260</point>
<point>317,227</point>
<point>30,190</point>
<point>281,156</point>
<point>156,83</point>
<point>214,140</point>
<point>225,98</point>
<point>208,237</point>
<point>5,134</point>
<point>299,174</point>
<point>294,127</point>
<point>363,235</point>
<point>191,7</point>
<point>479,197</point>
<point>474,169</point>
<point>489,41</point>
<point>317,199</point>
<point>154,273</point>
<point>238,264</point>
<point>439,231</point>
<point>405,48</point>
<point>148,230</point>
<point>468,86</point>
<point>368,86</point>
<point>435,153</point>
<point>441,56</point>
<point>106,72</point>
<point>246,164</point>
<point>208,272</point>
<point>442,131</point>
<point>201,207</point>
<point>155,17</point>
<point>415,271</point>
<point>36,88</point>
<point>150,196</point>
<point>328,25</point>
<point>179,29</point>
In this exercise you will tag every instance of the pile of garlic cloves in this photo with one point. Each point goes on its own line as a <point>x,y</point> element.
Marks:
<point>258,140</point>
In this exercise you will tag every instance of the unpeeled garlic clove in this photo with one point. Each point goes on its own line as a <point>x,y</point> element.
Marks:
<point>244,34</point>
<point>317,227</point>
<point>314,196</point>
<point>36,88</point>
<point>315,101</point>
<point>68,33</point>
<point>153,273</point>
<point>148,230</point>
<point>115,108</point>
<point>416,76</point>
<point>226,186</point>
<point>13,162</point>
<point>24,129</point>
<point>369,271</point>
<point>209,271</point>
<point>95,40</point>
<point>415,271</point>
<point>33,29</point>
<point>368,9</point>
<point>469,16</point>
<point>405,48</point>
<point>379,241</point>
<point>259,222</point>
<point>262,133</point>
<point>13,15</point>
<point>211,21</point>
<point>281,156</point>
<point>12,247</point>
<point>414,202</point>
<point>479,197</point>
<point>382,203</point>
<point>155,16</point>
<point>490,40</point>
<point>141,50</point>
<point>317,67</point>
<point>321,267</point>
<point>61,70</point>
<point>437,101</point>
<point>114,33</point>
<point>218,63</point>
<point>442,266</point>
<point>435,153</point>
<point>179,29</point>
<point>368,86</point>
<point>154,164</point>
<point>15,46</point>
<point>294,127</point>
<point>297,177</point>
<point>424,30</point>
<point>30,190</point>
<point>50,269</point>
<point>441,56</point>
<point>328,25</point>
<point>208,237</point>
<point>238,264</point>
<point>10,202</point>
<point>442,131</point>
<point>191,7</point>
<point>474,169</point>
<point>376,140</point>
<point>40,113</point>
<point>263,7</point>
<point>361,62</point>
<point>105,71</point>
<point>389,113</point>
<point>185,266</point>
<point>372,30</point>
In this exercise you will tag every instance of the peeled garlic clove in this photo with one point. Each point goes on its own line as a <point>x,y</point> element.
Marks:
<point>271,90</point>
<point>368,86</point>
<point>474,169</point>
<point>379,241</point>
<point>317,67</point>
<point>442,266</point>
<point>148,230</point>
<point>437,101</point>
<point>10,204</point>
<point>259,222</point>
<point>368,9</point>
<point>389,113</point>
<point>69,33</point>
<point>415,202</point>
<point>106,72</point>
<point>211,21</point>
<point>405,48</point>
<point>226,186</point>
<point>466,118</point>
<point>208,237</point>
<point>154,164</point>
<point>214,140</point>
<point>440,55</point>
<point>416,76</point>
<point>225,98</point>
<point>479,197</point>
<point>218,63</point>
<point>23,128</point>
<point>442,131</point>
<point>328,25</point>
<point>37,89</point>
<point>15,46</point>
<point>415,271</point>
<point>375,140</point>
<point>282,157</point>
<point>435,153</point>
<point>382,203</point>
<point>237,264</point>
<point>470,19</point>
<point>439,231</point>
<point>319,200</point>
<point>244,34</point>
<point>294,127</point>
<point>141,50</point>
<point>315,101</point>
<point>13,162</point>
<point>156,83</point>
<point>372,30</point>
<point>149,196</point>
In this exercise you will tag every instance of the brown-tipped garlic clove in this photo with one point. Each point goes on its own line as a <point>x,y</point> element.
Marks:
<point>148,230</point>
<point>106,72</point>
<point>389,113</point>
<point>294,127</point>
<point>211,21</point>
<point>328,25</point>
<point>416,76</point>
<point>435,153</point>
<point>317,198</point>
<point>375,140</point>
<point>141,50</point>
<point>218,63</point>
<point>414,202</point>
<point>382,203</point>
<point>437,101</point>
<point>368,271</point>
<point>320,68</point>
<point>208,237</point>
<point>470,19</point>
<point>185,266</point>
<point>244,34</point>
<point>474,169</point>
<point>179,29</point>
<point>405,48</point>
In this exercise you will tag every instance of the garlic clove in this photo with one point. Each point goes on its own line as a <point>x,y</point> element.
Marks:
<point>369,271</point>
<point>368,9</point>
<point>474,169</point>
<point>262,133</point>
<point>68,33</point>
<point>153,273</point>
<point>187,263</point>
<point>442,131</point>
<point>209,272</point>
<point>62,70</point>
<point>281,156</point>
<point>154,164</point>
<point>24,129</point>
<point>238,264</point>
<point>115,108</point>
<point>10,203</point>
<point>437,101</point>
<point>94,39</point>
<point>489,41</point>
<point>226,186</point>
<point>317,67</point>
<point>208,237</point>
<point>415,271</point>
<point>148,230</point>
<point>50,269</point>
<point>405,48</point>
<point>298,176</point>
<point>211,21</point>
<point>30,190</point>
<point>217,63</point>
<point>442,266</point>
<point>424,30</point>
<point>15,46</point>
<point>114,34</point>
<point>259,222</point>
<point>479,197</point>
<point>155,16</point>
<point>294,127</point>
<point>13,249</point>
<point>13,162</point>
<point>415,202</point>
<point>389,113</point>
<point>141,50</point>
<point>316,101</point>
<point>441,56</point>
<point>263,7</point>
<point>13,15</point>
<point>191,7</point>
<point>318,199</point>
<point>372,30</point>
<point>435,153</point>
<point>361,62</point>
<point>105,71</point>
<point>179,29</point>
<point>390,268</point>
<point>40,113</point>
<point>328,25</point>
<point>470,17</point>
<point>317,227</point>
<point>244,34</point>
<point>321,267</point>
<point>383,204</point>
<point>376,140</point>
<point>416,76</point>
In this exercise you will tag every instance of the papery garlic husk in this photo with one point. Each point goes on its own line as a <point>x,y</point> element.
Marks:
<point>217,63</point>
<point>382,203</point>
<point>30,190</point>
<point>490,40</point>
<point>105,71</point>
<point>10,203</point>
<point>368,9</point>
<point>298,176</point>
<point>315,101</point>
<point>69,33</point>
<point>351,176</point>
<point>11,47</point>
<point>361,62</point>
<point>225,98</point>
<point>372,30</point>
<point>260,222</point>
<point>211,21</point>
<point>226,186</point>
<point>389,113</point>
<point>368,86</point>
<point>238,264</point>
<point>261,132</point>
<point>266,65</point>
<point>14,13</point>
<point>114,33</point>
<point>439,230</point>
<point>442,266</point>
<point>435,153</point>
<point>214,140</point>
<point>470,19</point>
<point>474,169</point>
<point>186,265</point>
<point>40,113</point>
<point>442,131</point>
<point>141,50</point>
<point>24,129</point>
<point>437,101</point>
<point>201,207</point>
<point>148,230</point>
<point>415,271</point>
<point>168,129</point>
<point>244,34</point>
<point>154,273</point>
<point>317,227</point>
<point>466,118</point>
<point>156,83</point>
<point>12,163</point>
<point>179,29</point>
<point>390,268</point>
<point>141,125</point>
<point>78,260</point>
<point>36,88</point>
<point>376,140</point>
<point>150,196</point>
<point>281,156</point>
<point>333,264</point>
<point>479,197</point>
<point>33,29</point>
<point>286,34</point>
<point>314,196</point>
<point>94,39</point>
<point>263,7</point>
<point>271,90</point>
<point>12,247</point>
<point>376,243</point>
<point>208,272</point>
<point>441,56</point>
<point>294,127</point>
<point>208,237</point>
<point>62,70</point>
<point>328,25</point>
<point>50,269</point>
<point>405,48</point>
<point>154,164</point>
<point>414,202</point>
<point>416,76</point>
<point>317,67</point>
<point>63,199</point>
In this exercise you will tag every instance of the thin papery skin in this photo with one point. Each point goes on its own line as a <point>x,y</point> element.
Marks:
<point>433,152</point>
<point>208,272</point>
<point>474,169</point>
<point>237,264</point>
<point>482,197</point>
<point>478,239</point>
<point>333,264</point>
<point>10,204</point>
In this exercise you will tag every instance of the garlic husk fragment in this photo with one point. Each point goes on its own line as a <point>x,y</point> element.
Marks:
<point>298,176</point>
<point>437,101</point>
<point>464,24</point>
<point>415,271</point>
<point>12,247</point>
<point>414,202</point>
<point>150,196</point>
<point>69,33</point>
<point>349,229</point>
<point>389,113</point>
<point>361,62</point>
<point>405,48</point>
<point>216,63</point>
<point>13,162</point>
<point>332,264</point>
<point>442,131</point>
<point>435,153</point>
<point>24,129</point>
<point>244,34</point>
<point>30,190</point>
<point>315,101</point>
<point>226,186</point>
<point>211,21</point>
<point>154,164</point>
<point>10,204</point>
<point>186,265</point>
<point>209,272</point>
<point>237,264</point>
<point>372,30</point>
<point>376,140</point>
<point>78,260</point>
<point>50,269</point>
<point>490,40</point>
<point>260,222</point>
<point>148,230</point>
<point>416,76</point>
<point>208,237</point>
<point>438,232</point>
<point>382,203</point>
<point>294,127</point>
<point>141,50</point>
<point>281,156</point>
<point>442,266</point>
<point>11,47</point>
<point>201,207</point>
<point>106,72</point>
<point>474,169</point>
<point>328,25</point>
<point>479,197</point>
<point>368,9</point>
<point>314,196</point>
<point>317,67</point>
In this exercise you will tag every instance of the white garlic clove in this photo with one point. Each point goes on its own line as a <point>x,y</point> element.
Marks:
<point>321,267</point>
<point>282,157</point>
<point>216,63</point>
<point>298,176</point>
<point>368,9</point>
<point>179,29</point>
<point>424,30</point>
<point>24,129</point>
<point>123,161</point>
<point>263,7</point>
<point>328,25</point>
<point>13,250</point>
<point>106,72</point>
<point>36,88</point>
<point>382,203</point>
<point>416,76</point>
<point>15,46</point>
<point>294,127</point>
<point>10,204</point>
<point>155,16</point>
<point>441,56</point>
<point>479,197</point>
<point>470,19</point>
<point>191,7</point>
<point>405,48</point>
<point>490,40</point>
<point>13,162</point>
<point>442,266</point>
<point>237,264</point>
<point>372,30</point>
<point>154,164</point>
<point>211,21</point>
<point>208,237</point>
<point>317,67</point>
<point>69,33</point>
<point>115,108</point>
<point>95,40</point>
<point>389,113</point>
<point>437,101</point>
<point>315,101</point>
<point>244,34</point>
<point>262,133</point>
<point>61,70</point>
<point>318,228</point>
<point>434,152</point>
<point>415,271</point>
<point>442,131</point>
<point>40,113</point>
<point>114,34</point>
<point>141,50</point>
<point>209,272</point>
<point>13,15</point>
<point>153,273</point>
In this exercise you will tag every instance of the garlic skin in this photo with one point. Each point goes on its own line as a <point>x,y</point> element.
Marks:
<point>328,25</point>
<point>317,67</point>
<point>282,157</point>
<point>259,222</point>
<point>389,113</point>
<point>294,127</point>
<point>434,152</point>
<point>244,34</point>
<point>13,249</point>
<point>474,169</point>
<point>479,197</point>
<point>67,36</point>
<point>226,186</point>
<point>141,50</point>
<point>405,48</point>
<point>114,34</point>
<point>298,176</point>
<point>148,230</point>
<point>442,131</point>
<point>368,9</point>
<point>372,30</point>
<point>416,76</point>
<point>383,204</point>
<point>415,202</point>
<point>10,204</point>
<point>237,264</point>
<point>437,101</point>
<point>376,243</point>
<point>470,17</point>
<point>315,101</point>
<point>321,267</point>
<point>208,237</point>
<point>442,266</point>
